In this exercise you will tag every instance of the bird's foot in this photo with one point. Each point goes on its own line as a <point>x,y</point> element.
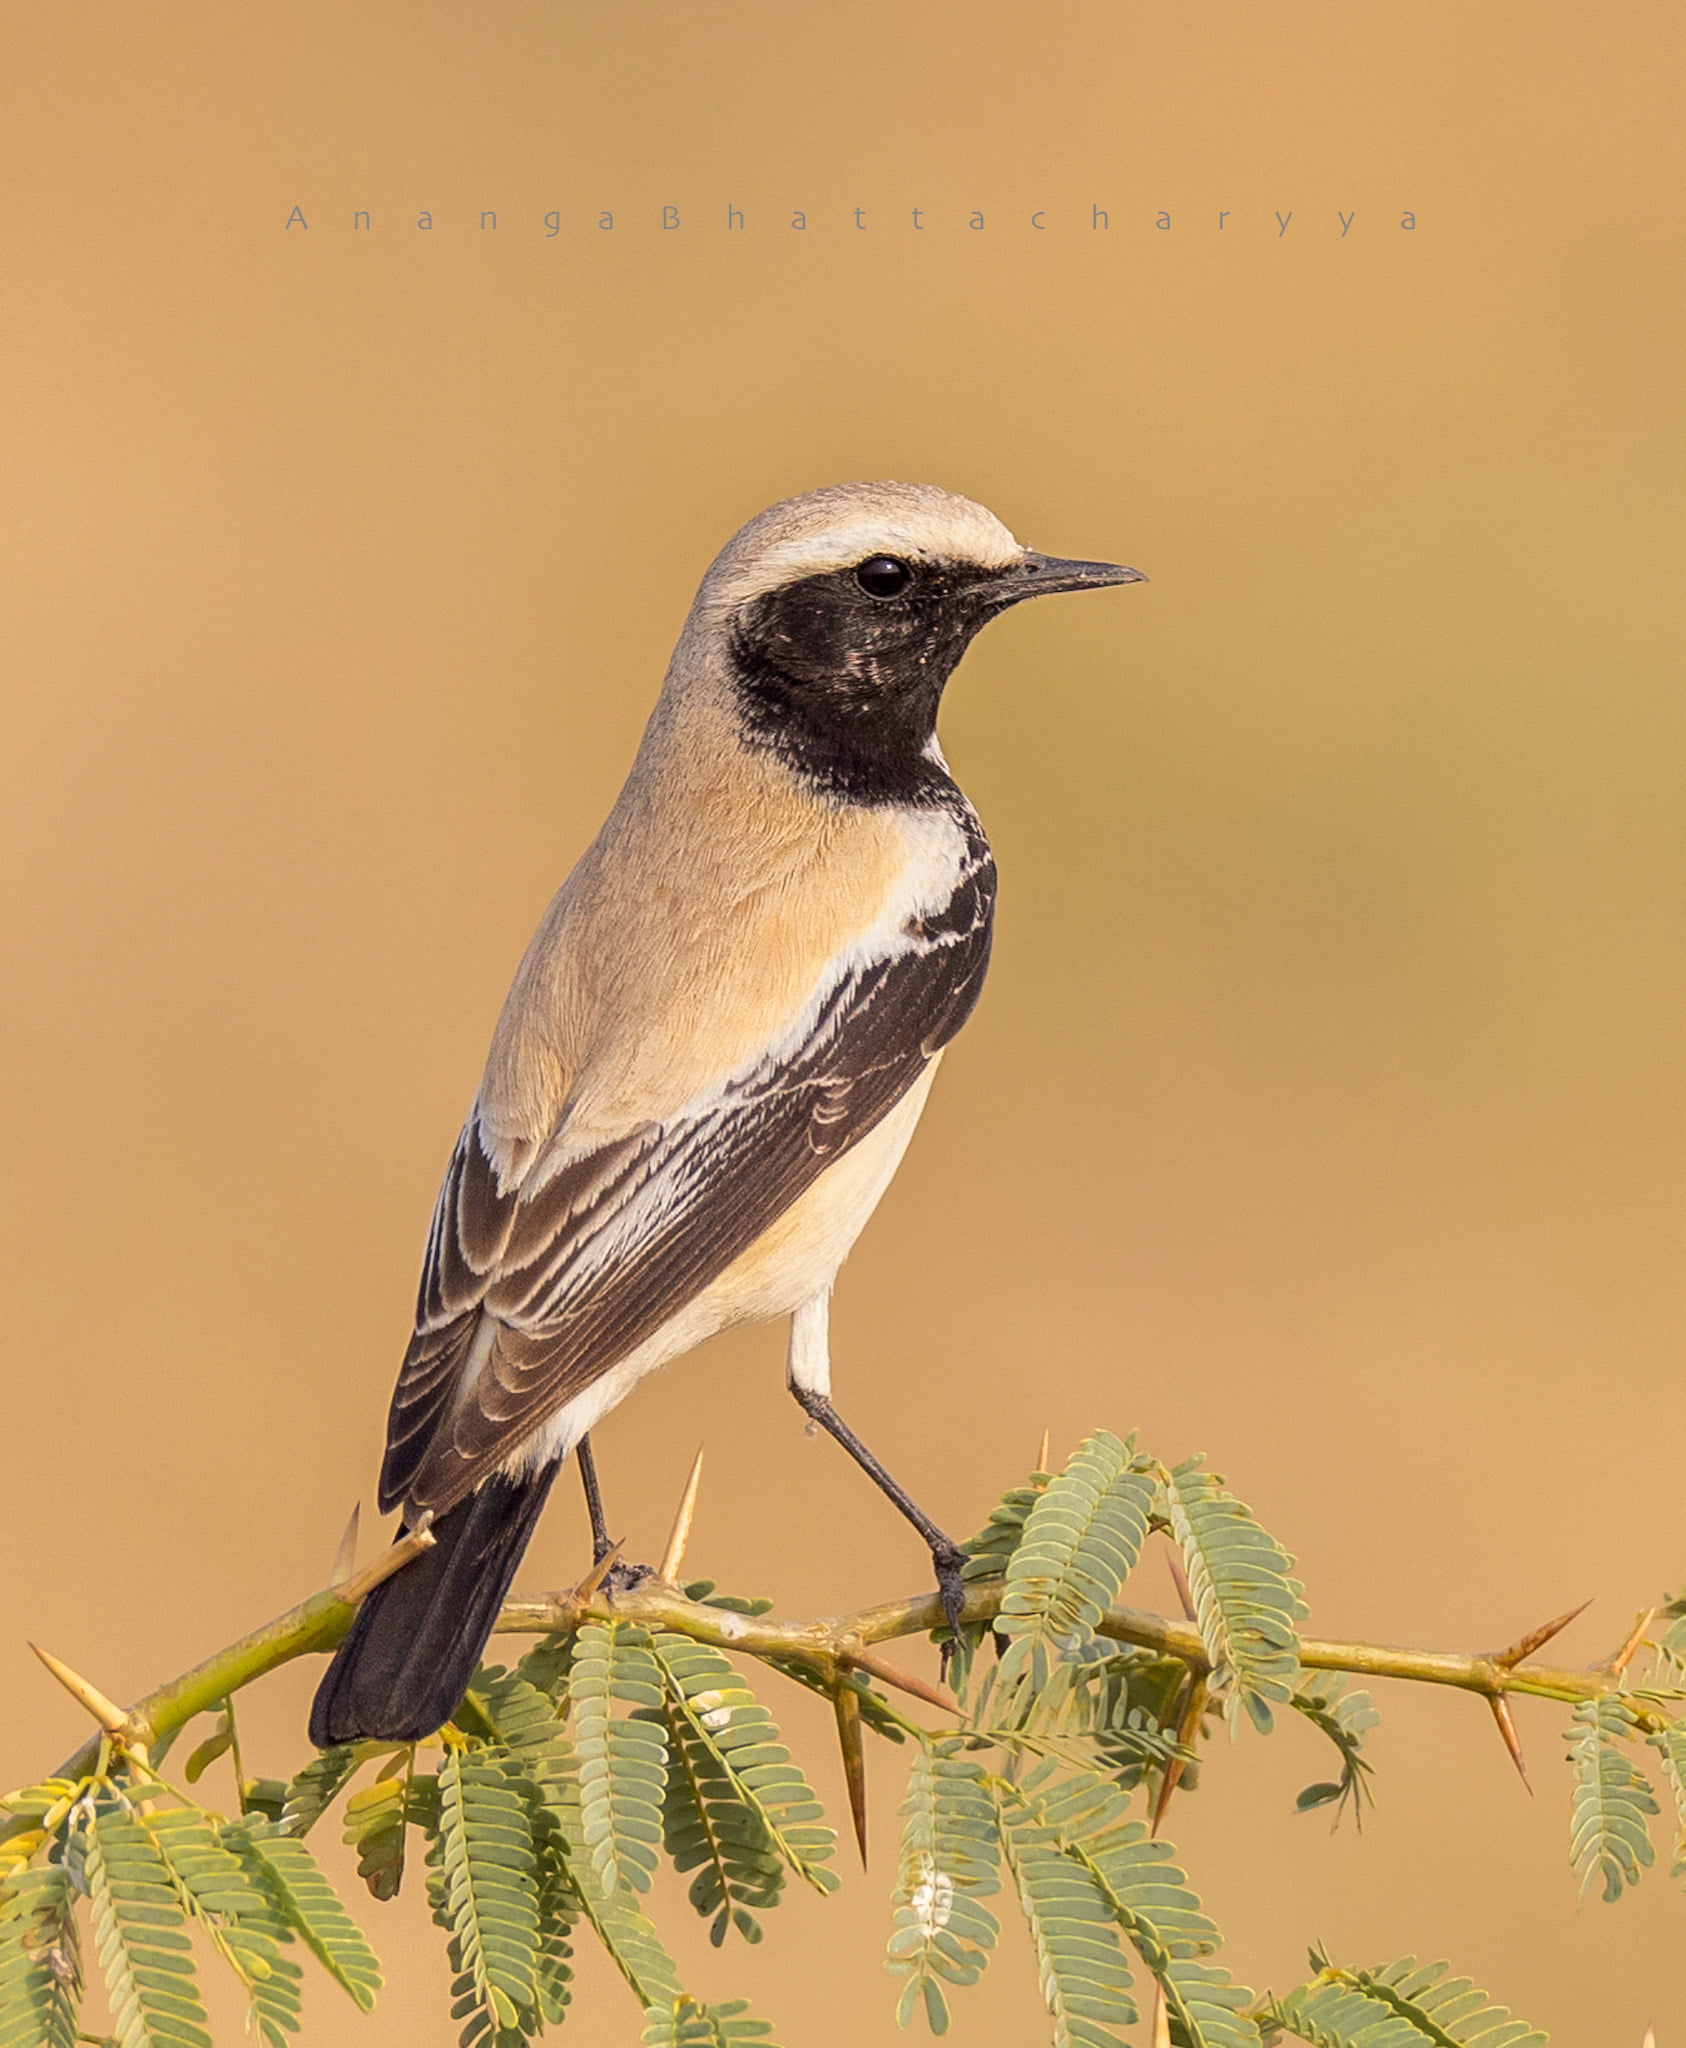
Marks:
<point>610,1574</point>
<point>622,1577</point>
<point>949,1561</point>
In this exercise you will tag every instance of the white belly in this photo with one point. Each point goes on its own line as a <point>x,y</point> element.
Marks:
<point>792,1263</point>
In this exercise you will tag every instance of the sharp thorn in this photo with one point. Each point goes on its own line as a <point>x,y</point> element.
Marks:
<point>1161,2017</point>
<point>408,1547</point>
<point>345,1556</point>
<point>107,1713</point>
<point>1618,1663</point>
<point>680,1534</point>
<point>1167,1785</point>
<point>1512,1741</point>
<point>1179,1578</point>
<point>1041,1464</point>
<point>588,1586</point>
<point>875,1667</point>
<point>1188,1733</point>
<point>1536,1639</point>
<point>847,1704</point>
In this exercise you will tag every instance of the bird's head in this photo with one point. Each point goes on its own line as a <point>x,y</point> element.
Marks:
<point>841,614</point>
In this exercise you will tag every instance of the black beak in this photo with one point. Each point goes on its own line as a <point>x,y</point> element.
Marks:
<point>1034,575</point>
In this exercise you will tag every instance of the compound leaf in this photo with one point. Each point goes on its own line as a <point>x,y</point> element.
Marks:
<point>1397,2005</point>
<point>140,1931</point>
<point>40,1959</point>
<point>942,1933</point>
<point>1345,1718</point>
<point>758,1809</point>
<point>1610,1809</point>
<point>488,1891</point>
<point>224,1897</point>
<point>312,1792</point>
<point>686,2024</point>
<point>1670,1744</point>
<point>1079,1541</point>
<point>308,1904</point>
<point>623,1762</point>
<point>1247,1604</point>
<point>1085,1975</point>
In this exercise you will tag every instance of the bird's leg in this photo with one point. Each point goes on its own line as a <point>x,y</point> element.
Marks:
<point>809,1374</point>
<point>946,1554</point>
<point>620,1574</point>
<point>601,1541</point>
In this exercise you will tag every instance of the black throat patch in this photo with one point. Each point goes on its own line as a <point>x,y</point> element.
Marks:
<point>844,687</point>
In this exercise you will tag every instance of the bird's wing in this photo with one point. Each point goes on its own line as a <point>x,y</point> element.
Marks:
<point>577,1271</point>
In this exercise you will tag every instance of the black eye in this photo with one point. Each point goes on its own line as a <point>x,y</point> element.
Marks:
<point>883,576</point>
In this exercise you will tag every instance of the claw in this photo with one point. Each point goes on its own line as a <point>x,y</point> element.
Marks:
<point>951,1590</point>
<point>951,1587</point>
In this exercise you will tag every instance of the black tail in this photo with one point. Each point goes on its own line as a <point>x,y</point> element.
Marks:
<point>406,1661</point>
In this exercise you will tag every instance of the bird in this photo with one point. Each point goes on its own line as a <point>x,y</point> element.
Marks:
<point>712,1056</point>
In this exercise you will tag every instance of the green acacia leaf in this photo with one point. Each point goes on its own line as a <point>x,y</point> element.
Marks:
<point>1670,1744</point>
<point>1205,2007</point>
<point>1134,1881</point>
<point>622,1761</point>
<point>1084,1972</point>
<point>140,1932</point>
<point>307,1903</point>
<point>218,1743</point>
<point>558,1909</point>
<point>40,1959</point>
<point>313,1790</point>
<point>540,1763</point>
<point>488,1894</point>
<point>707,1829</point>
<point>989,1552</point>
<point>1397,2005</point>
<point>683,2023</point>
<point>1345,1718</point>
<point>628,1936</point>
<point>1129,1707</point>
<point>529,1725</point>
<point>941,1932</point>
<point>376,1825</point>
<point>1671,1643</point>
<point>1611,1806</point>
<point>222,1893</point>
<point>1079,1542</point>
<point>757,1809</point>
<point>1247,1604</point>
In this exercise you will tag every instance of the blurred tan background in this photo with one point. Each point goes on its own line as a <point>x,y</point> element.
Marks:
<point>1325,1108</point>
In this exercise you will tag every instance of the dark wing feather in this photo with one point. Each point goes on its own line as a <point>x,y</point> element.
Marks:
<point>600,1256</point>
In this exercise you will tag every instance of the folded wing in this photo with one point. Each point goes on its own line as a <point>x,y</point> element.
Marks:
<point>531,1292</point>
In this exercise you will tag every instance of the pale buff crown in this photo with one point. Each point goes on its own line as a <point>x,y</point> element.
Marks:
<point>843,524</point>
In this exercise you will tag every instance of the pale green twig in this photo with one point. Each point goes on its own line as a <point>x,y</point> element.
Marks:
<point>822,1646</point>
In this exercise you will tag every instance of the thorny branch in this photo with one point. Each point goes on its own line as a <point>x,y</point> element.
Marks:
<point>827,1647</point>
